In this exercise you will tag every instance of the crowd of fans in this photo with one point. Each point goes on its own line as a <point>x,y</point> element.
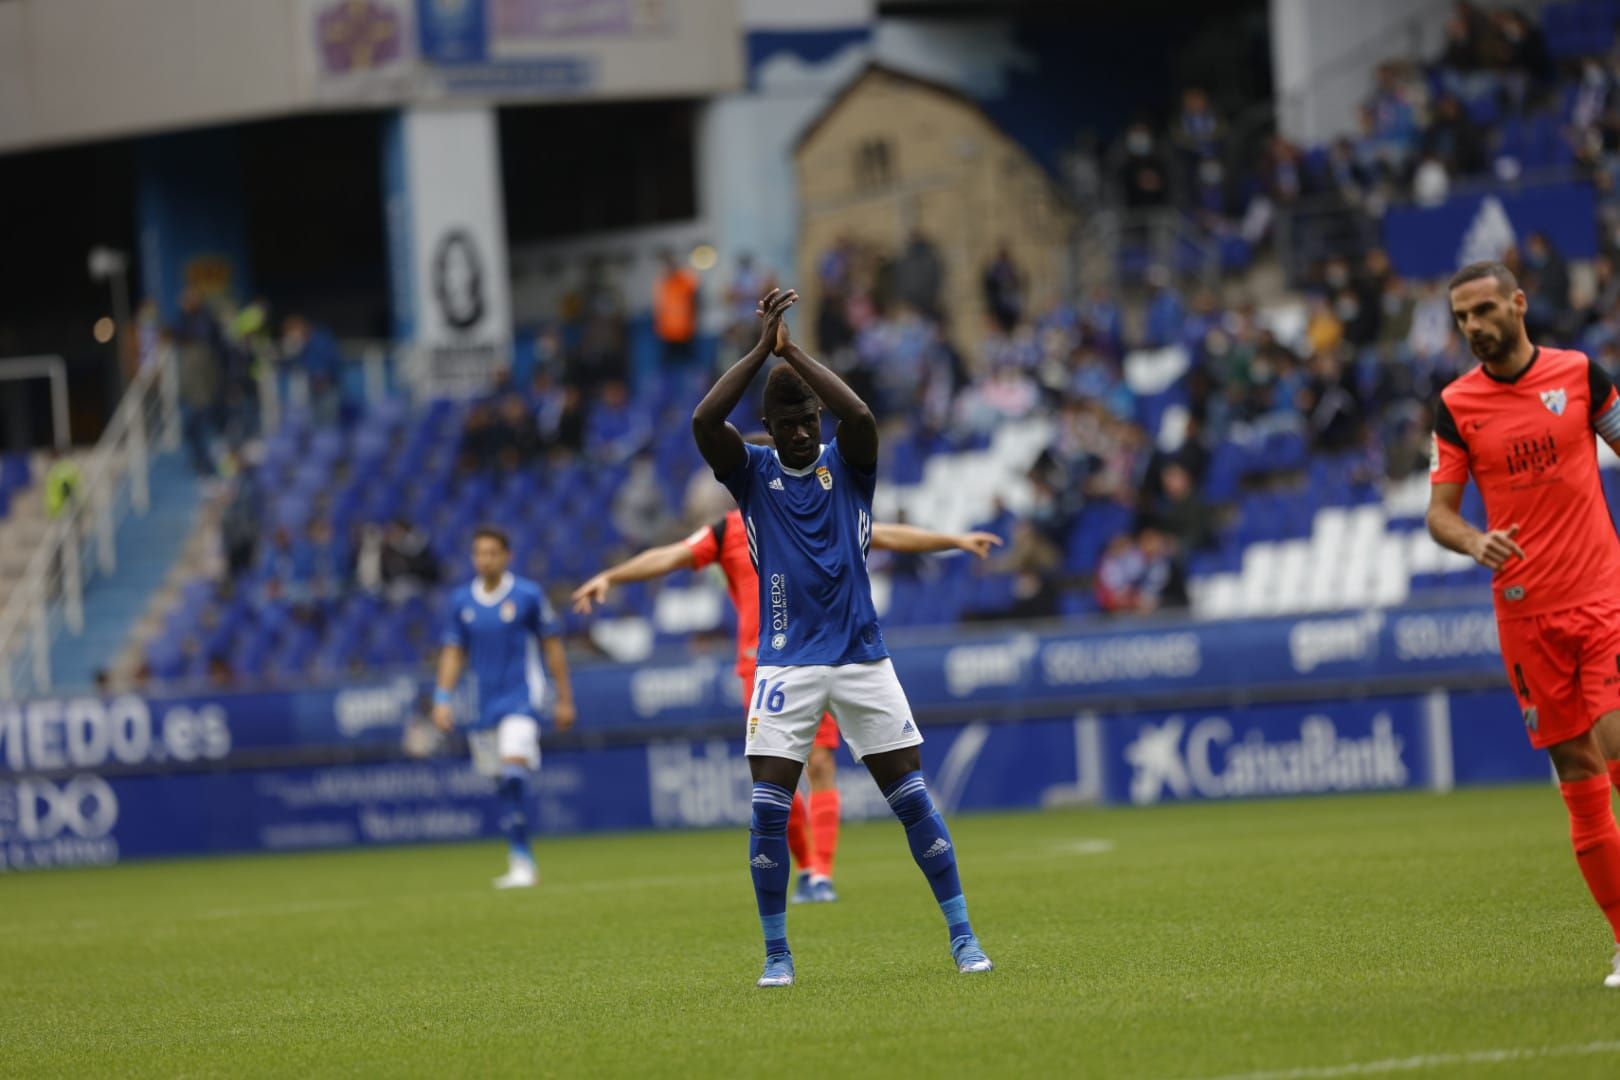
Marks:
<point>1496,103</point>
<point>229,358</point>
<point>1131,491</point>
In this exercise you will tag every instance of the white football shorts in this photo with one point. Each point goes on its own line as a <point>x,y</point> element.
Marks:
<point>513,737</point>
<point>786,705</point>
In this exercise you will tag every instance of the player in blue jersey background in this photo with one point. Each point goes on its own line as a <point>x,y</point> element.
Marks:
<point>498,625</point>
<point>807,509</point>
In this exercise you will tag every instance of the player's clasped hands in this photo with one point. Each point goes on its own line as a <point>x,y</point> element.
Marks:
<point>772,307</point>
<point>1493,549</point>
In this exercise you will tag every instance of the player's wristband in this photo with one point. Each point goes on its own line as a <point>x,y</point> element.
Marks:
<point>441,696</point>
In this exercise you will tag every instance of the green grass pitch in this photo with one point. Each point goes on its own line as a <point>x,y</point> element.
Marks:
<point>1366,935</point>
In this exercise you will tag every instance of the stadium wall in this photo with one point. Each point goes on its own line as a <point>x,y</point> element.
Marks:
<point>1367,701</point>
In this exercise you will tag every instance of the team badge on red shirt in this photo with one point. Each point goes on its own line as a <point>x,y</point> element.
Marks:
<point>1555,400</point>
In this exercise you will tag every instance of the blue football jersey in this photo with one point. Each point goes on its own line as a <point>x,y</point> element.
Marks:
<point>808,532</point>
<point>500,632</point>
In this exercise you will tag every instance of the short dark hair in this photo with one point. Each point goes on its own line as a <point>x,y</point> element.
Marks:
<point>495,533</point>
<point>785,389</point>
<point>1487,268</point>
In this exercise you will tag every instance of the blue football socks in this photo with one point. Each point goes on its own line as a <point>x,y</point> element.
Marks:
<point>768,860</point>
<point>931,846</point>
<point>512,791</point>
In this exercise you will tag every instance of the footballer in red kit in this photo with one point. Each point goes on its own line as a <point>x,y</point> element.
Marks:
<point>1524,426</point>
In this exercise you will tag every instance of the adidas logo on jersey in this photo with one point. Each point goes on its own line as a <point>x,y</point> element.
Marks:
<point>763,861</point>
<point>938,847</point>
<point>776,484</point>
<point>907,729</point>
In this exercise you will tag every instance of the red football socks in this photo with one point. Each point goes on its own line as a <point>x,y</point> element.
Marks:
<point>1596,837</point>
<point>824,808</point>
<point>800,842</point>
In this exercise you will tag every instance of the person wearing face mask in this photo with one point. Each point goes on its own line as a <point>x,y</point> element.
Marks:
<point>1547,273</point>
<point>1146,181</point>
<point>313,350</point>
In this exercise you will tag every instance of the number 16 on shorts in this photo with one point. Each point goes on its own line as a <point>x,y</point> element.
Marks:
<point>787,704</point>
<point>770,696</point>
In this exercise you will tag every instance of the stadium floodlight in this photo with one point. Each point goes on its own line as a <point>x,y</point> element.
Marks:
<point>112,266</point>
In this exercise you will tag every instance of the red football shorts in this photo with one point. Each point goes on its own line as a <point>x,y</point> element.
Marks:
<point>826,734</point>
<point>1564,667</point>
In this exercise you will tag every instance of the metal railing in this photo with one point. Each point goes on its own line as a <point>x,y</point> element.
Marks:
<point>80,544</point>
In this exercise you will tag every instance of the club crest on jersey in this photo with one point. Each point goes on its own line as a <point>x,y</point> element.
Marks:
<point>753,726</point>
<point>508,611</point>
<point>1555,400</point>
<point>824,474</point>
<point>779,641</point>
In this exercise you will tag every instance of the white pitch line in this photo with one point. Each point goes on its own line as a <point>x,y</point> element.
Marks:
<point>294,907</point>
<point>1430,1061</point>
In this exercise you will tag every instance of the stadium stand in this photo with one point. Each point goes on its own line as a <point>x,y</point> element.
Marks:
<point>1140,451</point>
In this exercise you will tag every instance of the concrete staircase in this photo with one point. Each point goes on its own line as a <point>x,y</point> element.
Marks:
<point>200,556</point>
<point>23,527</point>
<point>148,548</point>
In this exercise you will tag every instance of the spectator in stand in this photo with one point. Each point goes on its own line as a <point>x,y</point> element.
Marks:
<point>1324,330</point>
<point>313,350</point>
<point>1101,322</point>
<point>1120,574</point>
<point>62,482</point>
<point>1034,561</point>
<point>1282,174</point>
<point>285,567</point>
<point>397,560</point>
<point>1006,393</point>
<point>1395,104</point>
<point>480,438</point>
<point>1004,290</point>
<point>1408,448</point>
<point>200,348</point>
<point>919,275</point>
<point>615,431</point>
<point>1431,322</point>
<point>516,436</point>
<point>603,352</point>
<point>1180,512</point>
<point>1197,137</point>
<point>749,282</point>
<point>640,510</point>
<point>1454,139</point>
<point>675,312</point>
<point>562,421</point>
<point>242,524</point>
<point>1546,282</point>
<point>1601,307</point>
<point>1431,184</point>
<point>1329,403</point>
<point>1166,315</point>
<point>328,559</point>
<point>1143,174</point>
<point>1528,62</point>
<point>1164,578</point>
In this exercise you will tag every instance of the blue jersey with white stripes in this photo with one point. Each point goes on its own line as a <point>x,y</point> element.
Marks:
<point>500,632</point>
<point>808,532</point>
